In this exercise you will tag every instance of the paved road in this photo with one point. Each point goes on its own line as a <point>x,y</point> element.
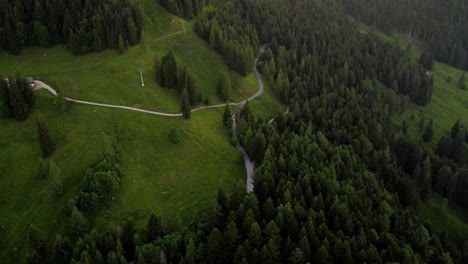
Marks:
<point>249,165</point>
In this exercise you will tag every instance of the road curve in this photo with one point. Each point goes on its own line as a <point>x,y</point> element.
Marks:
<point>249,165</point>
<point>41,85</point>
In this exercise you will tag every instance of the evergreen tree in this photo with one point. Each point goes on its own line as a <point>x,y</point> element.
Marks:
<point>121,45</point>
<point>185,106</point>
<point>127,238</point>
<point>78,222</point>
<point>227,116</point>
<point>214,253</point>
<point>45,140</point>
<point>230,240</point>
<point>157,70</point>
<point>62,250</point>
<point>428,133</point>
<point>154,228</point>
<point>37,241</point>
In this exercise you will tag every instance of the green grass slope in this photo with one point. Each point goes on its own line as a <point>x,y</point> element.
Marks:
<point>175,181</point>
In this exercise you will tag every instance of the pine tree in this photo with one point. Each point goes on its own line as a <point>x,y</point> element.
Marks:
<point>97,43</point>
<point>214,253</point>
<point>188,9</point>
<point>230,240</point>
<point>154,228</point>
<point>37,241</point>
<point>428,133</point>
<point>121,44</point>
<point>127,238</point>
<point>157,70</point>
<point>227,115</point>
<point>79,223</point>
<point>222,200</point>
<point>132,32</point>
<point>62,249</point>
<point>185,106</point>
<point>45,140</point>
<point>426,179</point>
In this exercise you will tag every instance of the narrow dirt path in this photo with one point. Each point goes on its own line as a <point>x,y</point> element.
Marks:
<point>42,85</point>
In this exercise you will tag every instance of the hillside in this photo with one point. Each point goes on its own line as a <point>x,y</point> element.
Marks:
<point>174,181</point>
<point>348,139</point>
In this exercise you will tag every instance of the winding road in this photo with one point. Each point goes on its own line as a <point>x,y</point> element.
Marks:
<point>41,85</point>
<point>249,165</point>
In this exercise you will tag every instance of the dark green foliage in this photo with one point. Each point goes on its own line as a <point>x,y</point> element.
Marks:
<point>236,44</point>
<point>157,70</point>
<point>454,144</point>
<point>227,116</point>
<point>56,180</point>
<point>43,169</point>
<point>185,106</point>
<point>184,8</point>
<point>61,249</point>
<point>79,224</point>
<point>100,181</point>
<point>85,26</point>
<point>174,136</point>
<point>127,237</point>
<point>335,180</point>
<point>46,142</point>
<point>426,60</point>
<point>121,44</point>
<point>169,74</point>
<point>169,71</point>
<point>441,27</point>
<point>154,228</point>
<point>428,132</point>
<point>16,97</point>
<point>37,242</point>
<point>148,254</point>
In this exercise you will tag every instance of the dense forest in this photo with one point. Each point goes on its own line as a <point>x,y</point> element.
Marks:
<point>184,8</point>
<point>336,180</point>
<point>236,40</point>
<point>86,26</point>
<point>438,26</point>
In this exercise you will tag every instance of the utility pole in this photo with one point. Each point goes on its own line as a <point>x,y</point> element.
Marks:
<point>141,76</point>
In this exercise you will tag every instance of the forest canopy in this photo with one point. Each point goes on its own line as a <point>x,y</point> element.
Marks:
<point>86,26</point>
<point>438,26</point>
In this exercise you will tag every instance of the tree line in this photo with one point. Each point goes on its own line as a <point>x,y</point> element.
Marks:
<point>85,26</point>
<point>230,36</point>
<point>16,98</point>
<point>336,180</point>
<point>184,8</point>
<point>438,27</point>
<point>170,74</point>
